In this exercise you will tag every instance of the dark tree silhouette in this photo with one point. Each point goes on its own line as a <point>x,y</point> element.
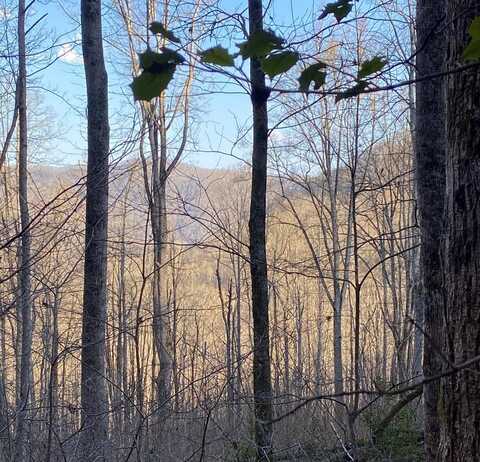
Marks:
<point>93,391</point>
<point>430,182</point>
<point>262,382</point>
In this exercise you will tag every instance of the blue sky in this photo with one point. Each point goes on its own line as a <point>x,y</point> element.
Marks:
<point>65,89</point>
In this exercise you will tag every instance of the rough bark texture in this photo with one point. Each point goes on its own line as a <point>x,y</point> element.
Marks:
<point>430,144</point>
<point>460,417</point>
<point>93,440</point>
<point>24,302</point>
<point>262,385</point>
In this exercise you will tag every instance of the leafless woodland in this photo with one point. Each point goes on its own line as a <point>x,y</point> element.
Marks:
<point>314,298</point>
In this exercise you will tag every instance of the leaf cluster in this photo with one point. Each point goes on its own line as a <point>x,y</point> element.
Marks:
<point>158,70</point>
<point>265,46</point>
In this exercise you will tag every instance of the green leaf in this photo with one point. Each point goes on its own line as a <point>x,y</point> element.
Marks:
<point>314,73</point>
<point>278,63</point>
<point>147,58</point>
<point>260,44</point>
<point>172,56</point>
<point>474,29</point>
<point>371,66</point>
<point>157,62</point>
<point>351,92</point>
<point>158,71</point>
<point>148,86</point>
<point>339,9</point>
<point>472,51</point>
<point>217,55</point>
<point>159,28</point>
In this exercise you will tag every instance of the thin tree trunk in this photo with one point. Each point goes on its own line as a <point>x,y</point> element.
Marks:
<point>53,376</point>
<point>430,176</point>
<point>238,335</point>
<point>11,129</point>
<point>262,385</point>
<point>161,323</point>
<point>5,436</point>
<point>94,419</point>
<point>319,351</point>
<point>299,369</point>
<point>22,435</point>
<point>227,321</point>
<point>177,394</point>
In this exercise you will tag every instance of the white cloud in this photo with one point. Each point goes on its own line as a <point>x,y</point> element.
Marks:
<point>69,54</point>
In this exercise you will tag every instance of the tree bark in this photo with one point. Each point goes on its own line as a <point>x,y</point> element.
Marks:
<point>94,419</point>
<point>24,301</point>
<point>430,145</point>
<point>262,385</point>
<point>460,418</point>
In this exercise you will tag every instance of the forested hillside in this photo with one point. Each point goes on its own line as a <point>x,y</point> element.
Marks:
<point>257,239</point>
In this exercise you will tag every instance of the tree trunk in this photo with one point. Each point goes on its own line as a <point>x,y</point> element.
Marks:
<point>460,439</point>
<point>238,335</point>
<point>430,177</point>
<point>53,376</point>
<point>24,302</point>
<point>94,419</point>
<point>262,385</point>
<point>5,436</point>
<point>161,311</point>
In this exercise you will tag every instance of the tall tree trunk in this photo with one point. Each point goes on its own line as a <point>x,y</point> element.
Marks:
<point>430,144</point>
<point>24,302</point>
<point>94,419</point>
<point>262,385</point>
<point>460,438</point>
<point>161,311</point>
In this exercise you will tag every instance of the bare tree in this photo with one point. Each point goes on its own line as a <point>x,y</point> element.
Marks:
<point>24,282</point>
<point>159,118</point>
<point>94,438</point>
<point>262,382</point>
<point>430,146</point>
